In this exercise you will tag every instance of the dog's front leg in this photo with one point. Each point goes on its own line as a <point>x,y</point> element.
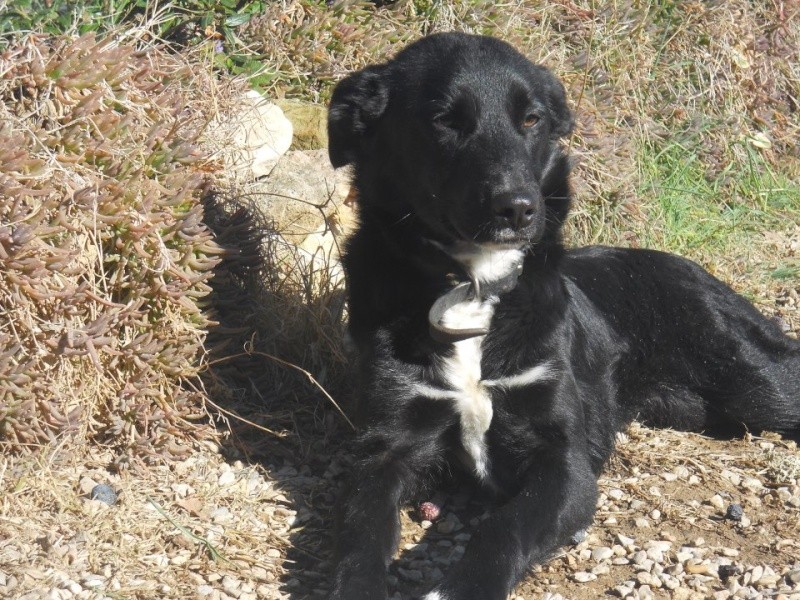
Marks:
<point>557,499</point>
<point>369,530</point>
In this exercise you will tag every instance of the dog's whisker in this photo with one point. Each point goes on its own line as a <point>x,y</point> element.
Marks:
<point>403,218</point>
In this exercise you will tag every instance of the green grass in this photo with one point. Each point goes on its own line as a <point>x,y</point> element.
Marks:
<point>693,213</point>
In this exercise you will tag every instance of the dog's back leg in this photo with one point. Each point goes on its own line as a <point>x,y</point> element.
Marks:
<point>763,398</point>
<point>762,395</point>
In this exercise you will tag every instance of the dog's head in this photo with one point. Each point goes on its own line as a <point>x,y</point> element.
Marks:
<point>461,132</point>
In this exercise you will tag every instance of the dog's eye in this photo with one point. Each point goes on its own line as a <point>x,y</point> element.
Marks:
<point>530,120</point>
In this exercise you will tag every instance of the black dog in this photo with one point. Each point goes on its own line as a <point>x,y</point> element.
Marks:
<point>525,371</point>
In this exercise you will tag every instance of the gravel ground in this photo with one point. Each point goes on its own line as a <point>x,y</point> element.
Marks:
<point>680,516</point>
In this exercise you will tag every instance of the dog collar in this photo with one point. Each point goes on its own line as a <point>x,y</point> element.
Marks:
<point>463,293</point>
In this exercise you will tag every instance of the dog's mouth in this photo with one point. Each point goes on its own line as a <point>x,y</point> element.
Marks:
<point>489,235</point>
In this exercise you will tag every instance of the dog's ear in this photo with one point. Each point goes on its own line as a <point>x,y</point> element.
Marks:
<point>357,102</point>
<point>563,120</point>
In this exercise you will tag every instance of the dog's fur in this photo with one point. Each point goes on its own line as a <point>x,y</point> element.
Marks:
<point>459,170</point>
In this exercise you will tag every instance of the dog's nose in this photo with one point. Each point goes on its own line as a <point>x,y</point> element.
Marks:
<point>514,210</point>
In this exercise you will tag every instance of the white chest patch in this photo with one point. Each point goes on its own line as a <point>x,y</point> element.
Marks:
<point>462,382</point>
<point>458,378</point>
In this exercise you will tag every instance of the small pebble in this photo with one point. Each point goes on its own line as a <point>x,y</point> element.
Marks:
<point>735,512</point>
<point>227,478</point>
<point>602,553</point>
<point>410,574</point>
<point>104,493</point>
<point>726,571</point>
<point>584,577</point>
<point>578,536</point>
<point>756,573</point>
<point>717,502</point>
<point>445,527</point>
<point>625,540</point>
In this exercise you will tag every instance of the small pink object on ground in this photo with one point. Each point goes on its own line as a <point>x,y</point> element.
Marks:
<point>429,511</point>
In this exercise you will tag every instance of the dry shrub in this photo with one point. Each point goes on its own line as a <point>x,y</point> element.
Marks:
<point>104,259</point>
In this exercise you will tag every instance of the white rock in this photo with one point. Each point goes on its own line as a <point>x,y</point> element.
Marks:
<point>753,484</point>
<point>231,585</point>
<point>584,577</point>
<point>734,478</point>
<point>662,545</point>
<point>252,136</point>
<point>681,471</point>
<point>602,553</point>
<point>756,573</point>
<point>227,478</point>
<point>602,569</point>
<point>625,540</point>
<point>717,502</point>
<point>93,581</point>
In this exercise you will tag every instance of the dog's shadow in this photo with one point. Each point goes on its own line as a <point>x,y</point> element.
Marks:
<point>257,372</point>
<point>307,456</point>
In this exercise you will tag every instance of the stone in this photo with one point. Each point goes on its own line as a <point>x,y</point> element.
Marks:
<point>445,526</point>
<point>578,536</point>
<point>410,574</point>
<point>227,478</point>
<point>734,478</point>
<point>616,494</point>
<point>756,573</point>
<point>662,545</point>
<point>717,502</point>
<point>735,512</point>
<point>251,136</point>
<point>625,540</point>
<point>726,571</point>
<point>602,553</point>
<point>302,192</point>
<point>752,484</point>
<point>309,123</point>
